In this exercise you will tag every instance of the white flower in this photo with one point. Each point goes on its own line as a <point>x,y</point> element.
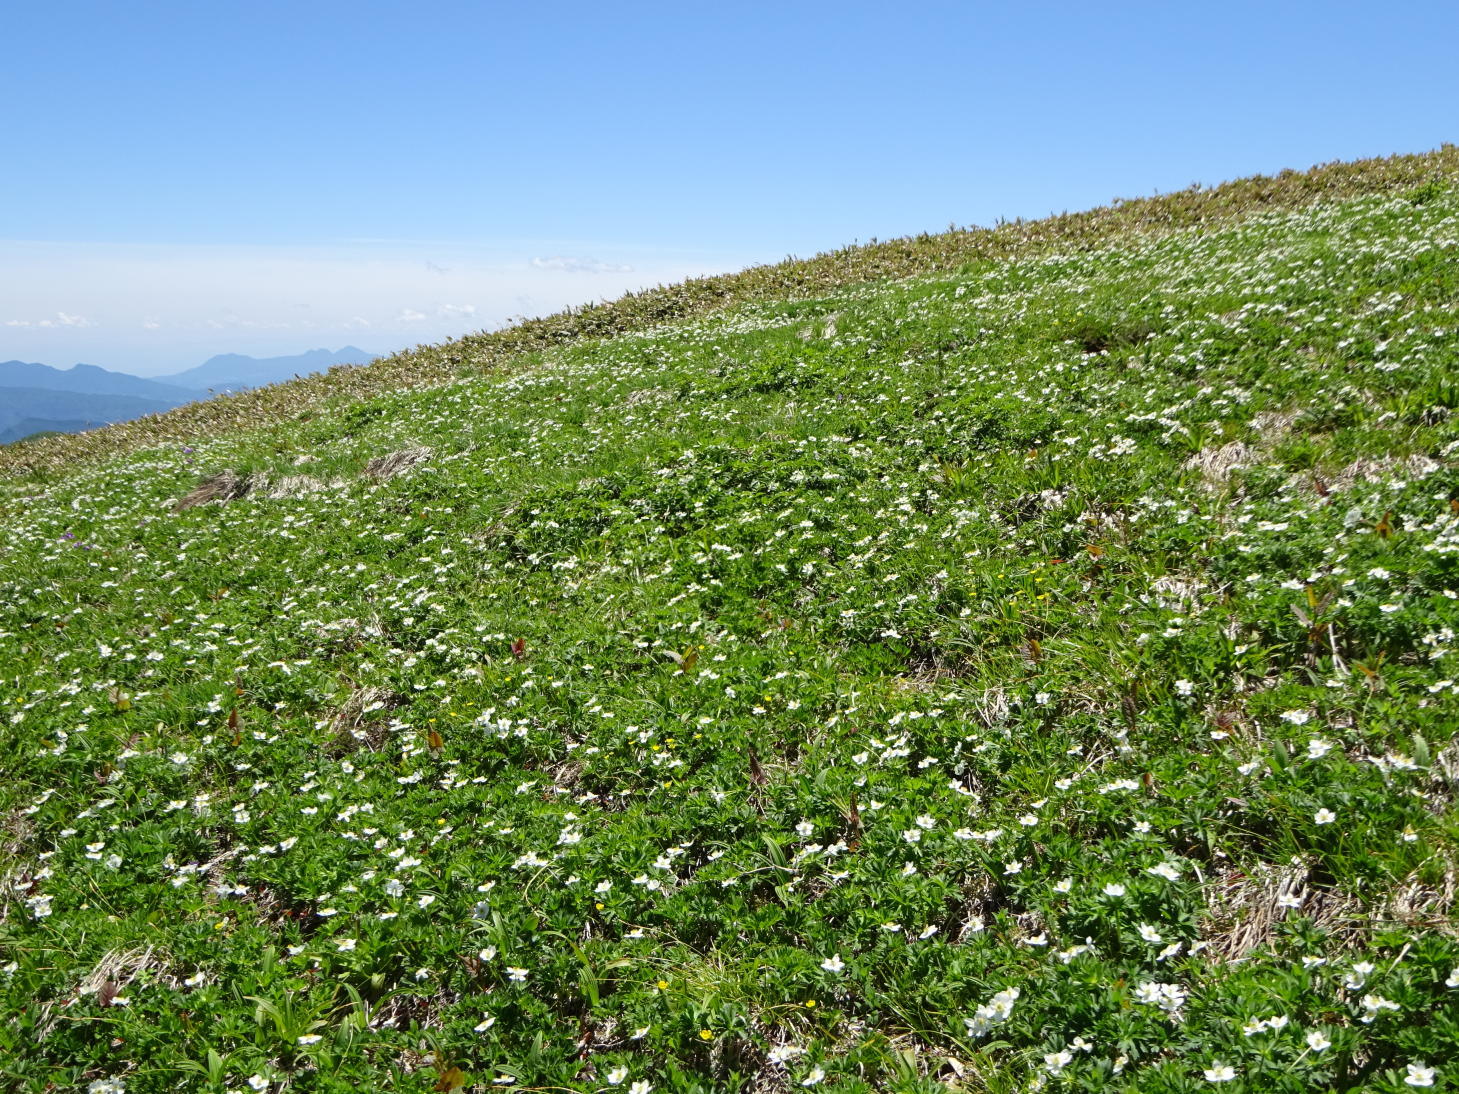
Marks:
<point>1358,976</point>
<point>1063,885</point>
<point>1165,870</point>
<point>833,963</point>
<point>994,1012</point>
<point>617,1075</point>
<point>489,1020</point>
<point>815,1075</point>
<point>805,828</point>
<point>1150,934</point>
<point>1168,997</point>
<point>258,1082</point>
<point>1317,1041</point>
<point>344,945</point>
<point>516,975</point>
<point>1418,1075</point>
<point>487,954</point>
<point>1296,717</point>
<point>1373,1005</point>
<point>1318,748</point>
<point>782,1054</point>
<point>1453,981</point>
<point>1184,687</point>
<point>640,1087</point>
<point>1055,1062</point>
<point>1114,888</point>
<point>310,1039</point>
<point>1219,1072</point>
<point>1324,816</point>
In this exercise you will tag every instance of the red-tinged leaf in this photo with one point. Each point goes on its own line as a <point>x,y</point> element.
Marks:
<point>452,1079</point>
<point>757,773</point>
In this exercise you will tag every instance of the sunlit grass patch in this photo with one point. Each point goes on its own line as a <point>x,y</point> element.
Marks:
<point>1033,672</point>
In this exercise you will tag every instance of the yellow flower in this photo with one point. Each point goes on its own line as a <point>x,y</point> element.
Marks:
<point>705,1035</point>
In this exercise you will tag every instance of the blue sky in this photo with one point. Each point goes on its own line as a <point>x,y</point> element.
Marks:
<point>189,179</point>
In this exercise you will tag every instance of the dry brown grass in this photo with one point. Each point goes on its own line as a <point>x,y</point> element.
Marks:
<point>225,485</point>
<point>1244,908</point>
<point>396,463</point>
<point>428,366</point>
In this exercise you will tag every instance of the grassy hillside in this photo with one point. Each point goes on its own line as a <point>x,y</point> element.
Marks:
<point>1033,673</point>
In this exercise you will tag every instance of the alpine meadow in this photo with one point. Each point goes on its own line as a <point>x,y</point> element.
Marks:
<point>1006,660</point>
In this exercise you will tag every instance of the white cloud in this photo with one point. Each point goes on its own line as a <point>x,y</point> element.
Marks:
<point>266,300</point>
<point>569,264</point>
<point>62,319</point>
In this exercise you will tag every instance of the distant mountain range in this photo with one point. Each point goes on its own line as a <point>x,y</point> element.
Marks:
<point>37,398</point>
<point>235,372</point>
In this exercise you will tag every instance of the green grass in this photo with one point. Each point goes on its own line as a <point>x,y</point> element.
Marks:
<point>1025,663</point>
